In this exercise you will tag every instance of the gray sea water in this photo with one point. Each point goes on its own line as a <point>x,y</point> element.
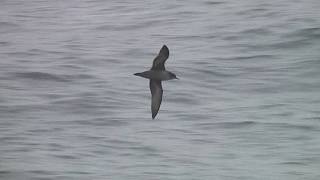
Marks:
<point>246,107</point>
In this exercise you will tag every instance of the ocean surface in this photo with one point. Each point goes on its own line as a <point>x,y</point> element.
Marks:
<point>246,107</point>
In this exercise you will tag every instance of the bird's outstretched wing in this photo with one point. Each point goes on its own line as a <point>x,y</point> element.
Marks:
<point>156,92</point>
<point>158,62</point>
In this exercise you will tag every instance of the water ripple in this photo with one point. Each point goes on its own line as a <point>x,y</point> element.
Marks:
<point>41,76</point>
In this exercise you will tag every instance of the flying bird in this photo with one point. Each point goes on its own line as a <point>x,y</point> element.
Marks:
<point>156,74</point>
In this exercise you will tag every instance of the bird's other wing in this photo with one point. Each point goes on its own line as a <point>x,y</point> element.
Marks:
<point>158,62</point>
<point>156,92</point>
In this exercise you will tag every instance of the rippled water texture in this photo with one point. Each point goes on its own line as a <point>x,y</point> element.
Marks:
<point>247,105</point>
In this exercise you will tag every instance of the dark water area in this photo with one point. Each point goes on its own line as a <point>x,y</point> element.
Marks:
<point>247,105</point>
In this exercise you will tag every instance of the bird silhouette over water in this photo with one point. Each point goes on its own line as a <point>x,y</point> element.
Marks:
<point>156,74</point>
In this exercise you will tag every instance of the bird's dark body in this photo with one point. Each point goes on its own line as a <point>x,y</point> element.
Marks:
<point>156,75</point>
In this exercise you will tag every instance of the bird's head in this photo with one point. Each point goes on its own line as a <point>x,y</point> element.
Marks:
<point>172,76</point>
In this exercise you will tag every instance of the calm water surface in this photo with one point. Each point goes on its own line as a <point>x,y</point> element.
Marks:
<point>247,105</point>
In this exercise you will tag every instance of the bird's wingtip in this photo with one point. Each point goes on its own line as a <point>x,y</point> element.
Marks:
<point>165,46</point>
<point>154,115</point>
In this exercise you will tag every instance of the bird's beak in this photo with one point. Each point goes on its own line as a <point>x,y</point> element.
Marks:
<point>177,78</point>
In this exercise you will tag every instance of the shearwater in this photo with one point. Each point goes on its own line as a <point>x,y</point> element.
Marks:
<point>156,74</point>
